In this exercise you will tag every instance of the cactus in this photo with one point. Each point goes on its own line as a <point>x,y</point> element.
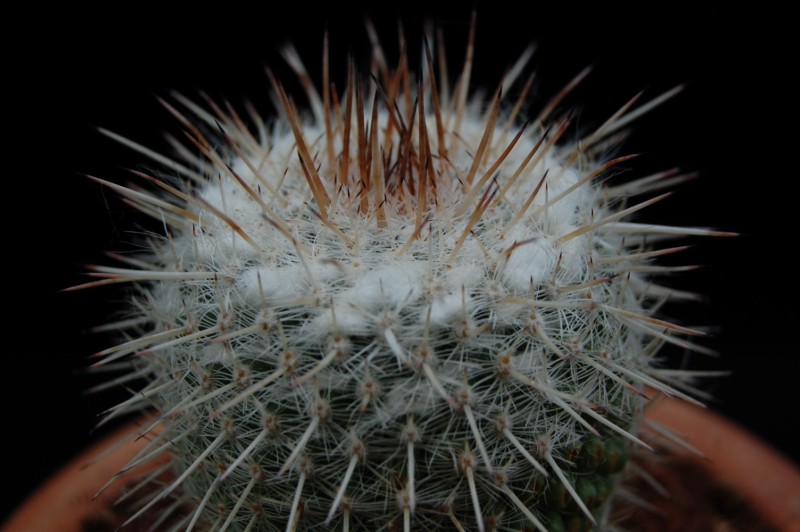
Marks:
<point>404,308</point>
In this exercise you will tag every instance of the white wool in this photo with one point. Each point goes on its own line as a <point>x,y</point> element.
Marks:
<point>273,284</point>
<point>389,286</point>
<point>530,264</point>
<point>445,310</point>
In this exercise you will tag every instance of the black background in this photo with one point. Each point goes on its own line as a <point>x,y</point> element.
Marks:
<point>106,69</point>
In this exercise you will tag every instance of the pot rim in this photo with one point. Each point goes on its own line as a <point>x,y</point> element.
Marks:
<point>735,457</point>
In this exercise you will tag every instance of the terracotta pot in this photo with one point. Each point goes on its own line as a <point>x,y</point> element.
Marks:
<point>68,501</point>
<point>769,482</point>
<point>762,478</point>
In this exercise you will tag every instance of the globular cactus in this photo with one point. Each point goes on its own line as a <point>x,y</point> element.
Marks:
<point>402,309</point>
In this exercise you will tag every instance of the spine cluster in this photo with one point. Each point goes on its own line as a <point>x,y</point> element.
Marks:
<point>402,309</point>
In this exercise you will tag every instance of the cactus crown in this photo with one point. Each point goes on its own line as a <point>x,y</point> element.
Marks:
<point>404,308</point>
